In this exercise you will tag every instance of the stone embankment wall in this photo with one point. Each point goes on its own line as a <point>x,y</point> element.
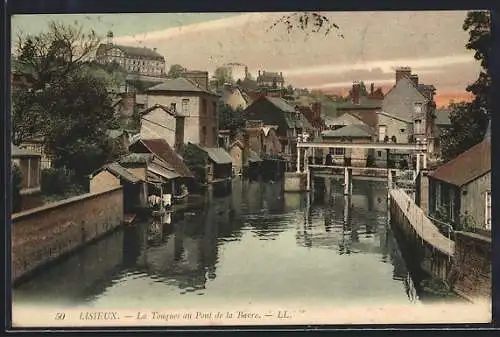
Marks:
<point>43,234</point>
<point>471,274</point>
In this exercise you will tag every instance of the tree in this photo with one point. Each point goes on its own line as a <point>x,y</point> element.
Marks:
<point>231,119</point>
<point>478,24</point>
<point>69,105</point>
<point>175,71</point>
<point>223,75</point>
<point>50,55</point>
<point>469,121</point>
<point>468,124</point>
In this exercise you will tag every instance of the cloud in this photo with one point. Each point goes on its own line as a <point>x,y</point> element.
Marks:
<point>207,26</point>
<point>432,43</point>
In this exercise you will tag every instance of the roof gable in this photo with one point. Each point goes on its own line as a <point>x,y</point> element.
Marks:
<point>168,110</point>
<point>468,166</point>
<point>161,149</point>
<point>404,82</point>
<point>346,119</point>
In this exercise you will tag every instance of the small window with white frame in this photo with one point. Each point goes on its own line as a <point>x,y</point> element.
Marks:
<point>185,107</point>
<point>487,217</point>
<point>417,107</point>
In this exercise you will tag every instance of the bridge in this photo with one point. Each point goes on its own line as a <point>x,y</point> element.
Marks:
<point>303,147</point>
<point>348,145</point>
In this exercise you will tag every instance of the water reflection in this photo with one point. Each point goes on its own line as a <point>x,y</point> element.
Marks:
<point>257,242</point>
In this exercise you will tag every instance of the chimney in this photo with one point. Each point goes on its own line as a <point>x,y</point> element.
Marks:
<point>199,78</point>
<point>179,134</point>
<point>372,89</point>
<point>246,71</point>
<point>316,108</point>
<point>356,91</point>
<point>172,106</point>
<point>259,72</point>
<point>414,79</point>
<point>154,49</point>
<point>402,72</point>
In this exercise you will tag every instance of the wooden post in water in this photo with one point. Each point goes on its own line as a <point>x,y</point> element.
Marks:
<point>346,181</point>
<point>298,159</point>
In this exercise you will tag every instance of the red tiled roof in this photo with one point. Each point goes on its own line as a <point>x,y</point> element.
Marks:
<point>468,166</point>
<point>161,149</point>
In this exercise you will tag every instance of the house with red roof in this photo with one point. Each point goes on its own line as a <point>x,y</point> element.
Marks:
<point>460,189</point>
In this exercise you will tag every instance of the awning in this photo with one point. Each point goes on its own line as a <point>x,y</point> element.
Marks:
<point>162,171</point>
<point>119,170</point>
<point>218,155</point>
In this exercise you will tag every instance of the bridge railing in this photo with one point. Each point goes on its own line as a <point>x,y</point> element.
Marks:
<point>423,226</point>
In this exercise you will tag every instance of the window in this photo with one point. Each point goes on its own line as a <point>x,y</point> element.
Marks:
<point>438,195</point>
<point>203,107</point>
<point>417,107</point>
<point>185,110</point>
<point>418,126</point>
<point>214,109</point>
<point>382,132</point>
<point>214,134</point>
<point>487,218</point>
<point>203,135</point>
<point>402,130</point>
<point>452,204</point>
<point>379,154</point>
<point>339,151</point>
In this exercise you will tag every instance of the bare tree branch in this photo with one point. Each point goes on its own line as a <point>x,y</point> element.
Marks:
<point>314,22</point>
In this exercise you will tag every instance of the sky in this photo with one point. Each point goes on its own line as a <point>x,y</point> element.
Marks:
<point>374,44</point>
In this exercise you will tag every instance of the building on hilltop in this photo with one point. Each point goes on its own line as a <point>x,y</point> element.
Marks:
<point>270,80</point>
<point>137,60</point>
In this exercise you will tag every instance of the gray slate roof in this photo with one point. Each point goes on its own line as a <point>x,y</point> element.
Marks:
<point>218,155</point>
<point>281,104</point>
<point>119,170</point>
<point>140,52</point>
<point>137,158</point>
<point>17,152</point>
<point>290,112</point>
<point>353,130</point>
<point>179,84</point>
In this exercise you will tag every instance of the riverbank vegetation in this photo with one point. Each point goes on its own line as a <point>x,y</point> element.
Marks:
<point>66,100</point>
<point>469,120</point>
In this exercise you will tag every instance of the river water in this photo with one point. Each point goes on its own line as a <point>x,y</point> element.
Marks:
<point>256,245</point>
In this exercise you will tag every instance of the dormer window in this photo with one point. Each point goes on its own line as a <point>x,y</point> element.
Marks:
<point>417,107</point>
